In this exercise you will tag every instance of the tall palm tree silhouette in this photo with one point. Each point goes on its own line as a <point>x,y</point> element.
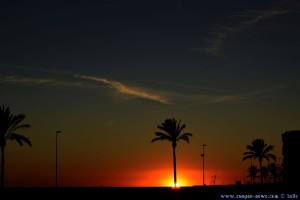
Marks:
<point>172,132</point>
<point>9,125</point>
<point>261,151</point>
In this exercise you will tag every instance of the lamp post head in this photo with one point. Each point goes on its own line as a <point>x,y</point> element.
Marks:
<point>204,145</point>
<point>58,131</point>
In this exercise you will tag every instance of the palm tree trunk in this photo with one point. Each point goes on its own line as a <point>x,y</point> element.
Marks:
<point>261,175</point>
<point>174,164</point>
<point>2,168</point>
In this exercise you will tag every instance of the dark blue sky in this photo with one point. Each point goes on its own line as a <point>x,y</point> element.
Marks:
<point>149,35</point>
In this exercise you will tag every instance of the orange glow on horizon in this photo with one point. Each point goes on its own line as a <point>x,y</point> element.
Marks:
<point>161,178</point>
<point>170,183</point>
<point>157,177</point>
<point>185,178</point>
<point>165,178</point>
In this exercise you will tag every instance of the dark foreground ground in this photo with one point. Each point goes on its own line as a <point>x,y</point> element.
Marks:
<point>196,192</point>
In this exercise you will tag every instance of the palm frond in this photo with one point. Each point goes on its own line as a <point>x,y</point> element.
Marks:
<point>251,148</point>
<point>161,134</point>
<point>181,128</point>
<point>155,139</point>
<point>22,126</point>
<point>185,137</point>
<point>14,121</point>
<point>268,148</point>
<point>19,138</point>
<point>248,153</point>
<point>163,128</point>
<point>163,137</point>
<point>247,157</point>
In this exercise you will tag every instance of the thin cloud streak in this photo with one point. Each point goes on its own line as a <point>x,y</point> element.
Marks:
<point>179,85</point>
<point>35,69</point>
<point>222,33</point>
<point>124,89</point>
<point>40,81</point>
<point>212,99</point>
<point>190,100</point>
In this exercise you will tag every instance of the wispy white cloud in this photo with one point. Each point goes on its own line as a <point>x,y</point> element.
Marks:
<point>33,69</point>
<point>244,21</point>
<point>192,99</point>
<point>179,85</point>
<point>110,122</point>
<point>184,101</point>
<point>203,99</point>
<point>128,90</point>
<point>39,81</point>
<point>178,98</point>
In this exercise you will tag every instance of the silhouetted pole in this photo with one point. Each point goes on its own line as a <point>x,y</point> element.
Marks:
<point>203,162</point>
<point>56,159</point>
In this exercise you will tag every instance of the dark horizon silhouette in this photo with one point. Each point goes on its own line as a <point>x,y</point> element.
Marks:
<point>267,191</point>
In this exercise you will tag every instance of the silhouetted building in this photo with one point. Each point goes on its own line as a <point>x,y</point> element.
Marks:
<point>290,152</point>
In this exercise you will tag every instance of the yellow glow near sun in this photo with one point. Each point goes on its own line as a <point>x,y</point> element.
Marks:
<point>176,186</point>
<point>170,183</point>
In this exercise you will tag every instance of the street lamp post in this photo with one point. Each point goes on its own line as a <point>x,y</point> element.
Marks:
<point>56,158</point>
<point>203,162</point>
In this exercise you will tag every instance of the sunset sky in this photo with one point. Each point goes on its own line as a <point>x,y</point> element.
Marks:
<point>106,73</point>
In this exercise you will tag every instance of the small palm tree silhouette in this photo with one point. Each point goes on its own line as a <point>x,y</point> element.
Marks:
<point>9,125</point>
<point>264,172</point>
<point>252,171</point>
<point>274,170</point>
<point>261,151</point>
<point>172,133</point>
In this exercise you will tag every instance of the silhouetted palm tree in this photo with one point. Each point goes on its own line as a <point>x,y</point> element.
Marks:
<point>9,125</point>
<point>274,170</point>
<point>252,171</point>
<point>264,172</point>
<point>171,132</point>
<point>259,150</point>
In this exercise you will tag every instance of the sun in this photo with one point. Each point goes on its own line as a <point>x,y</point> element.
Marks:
<point>170,183</point>
<point>165,178</point>
<point>175,186</point>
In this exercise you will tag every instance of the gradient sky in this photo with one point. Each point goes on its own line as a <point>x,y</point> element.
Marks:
<point>107,73</point>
